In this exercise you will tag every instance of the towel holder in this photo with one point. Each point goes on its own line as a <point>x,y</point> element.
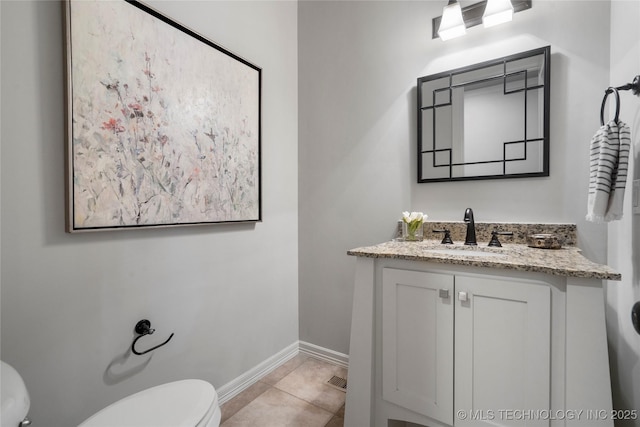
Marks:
<point>633,86</point>
<point>143,328</point>
<point>607,92</point>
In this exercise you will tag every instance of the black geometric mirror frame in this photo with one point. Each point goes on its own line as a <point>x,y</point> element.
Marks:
<point>440,157</point>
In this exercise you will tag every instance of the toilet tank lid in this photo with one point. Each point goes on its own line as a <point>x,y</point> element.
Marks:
<point>177,404</point>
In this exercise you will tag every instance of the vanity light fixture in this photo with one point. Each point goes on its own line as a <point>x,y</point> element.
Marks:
<point>489,12</point>
<point>497,12</point>
<point>452,24</point>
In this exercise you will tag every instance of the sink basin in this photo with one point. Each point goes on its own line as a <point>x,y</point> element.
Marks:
<point>467,252</point>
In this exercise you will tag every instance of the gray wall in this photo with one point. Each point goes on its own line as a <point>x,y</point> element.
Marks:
<point>230,293</point>
<point>69,302</point>
<point>624,235</point>
<point>358,67</point>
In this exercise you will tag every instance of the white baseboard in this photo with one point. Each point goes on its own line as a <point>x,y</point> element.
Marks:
<point>253,375</point>
<point>325,354</point>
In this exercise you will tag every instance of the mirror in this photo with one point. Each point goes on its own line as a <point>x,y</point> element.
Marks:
<point>485,121</point>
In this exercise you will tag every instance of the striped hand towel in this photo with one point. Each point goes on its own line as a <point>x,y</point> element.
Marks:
<point>608,172</point>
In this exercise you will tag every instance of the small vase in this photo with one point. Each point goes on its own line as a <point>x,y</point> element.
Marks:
<point>413,231</point>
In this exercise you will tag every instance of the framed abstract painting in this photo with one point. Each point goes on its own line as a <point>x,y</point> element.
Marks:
<point>163,125</point>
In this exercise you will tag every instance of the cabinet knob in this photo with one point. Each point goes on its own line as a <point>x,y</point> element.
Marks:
<point>444,293</point>
<point>462,296</point>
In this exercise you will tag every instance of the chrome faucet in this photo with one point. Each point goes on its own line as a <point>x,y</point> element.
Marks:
<point>471,228</point>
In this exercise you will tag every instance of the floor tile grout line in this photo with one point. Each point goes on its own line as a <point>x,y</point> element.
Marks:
<point>306,401</point>
<point>302,362</point>
<point>273,386</point>
<point>247,404</point>
<point>333,414</point>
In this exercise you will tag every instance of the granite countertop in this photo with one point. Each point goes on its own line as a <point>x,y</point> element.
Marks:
<point>566,262</point>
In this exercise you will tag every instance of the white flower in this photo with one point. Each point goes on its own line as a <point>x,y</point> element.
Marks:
<point>413,216</point>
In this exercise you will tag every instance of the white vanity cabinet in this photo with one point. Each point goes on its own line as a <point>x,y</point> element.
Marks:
<point>417,342</point>
<point>499,358</point>
<point>502,348</point>
<point>459,345</point>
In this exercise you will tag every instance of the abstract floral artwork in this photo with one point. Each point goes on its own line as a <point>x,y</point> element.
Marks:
<point>163,125</point>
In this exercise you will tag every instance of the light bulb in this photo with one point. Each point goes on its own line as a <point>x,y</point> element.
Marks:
<point>497,12</point>
<point>452,23</point>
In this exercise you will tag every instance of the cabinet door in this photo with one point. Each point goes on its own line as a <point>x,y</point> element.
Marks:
<point>417,342</point>
<point>502,341</point>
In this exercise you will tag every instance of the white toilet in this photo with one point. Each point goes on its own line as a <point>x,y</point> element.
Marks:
<point>186,403</point>
<point>15,398</point>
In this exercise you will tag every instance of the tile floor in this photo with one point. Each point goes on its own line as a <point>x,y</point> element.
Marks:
<point>295,394</point>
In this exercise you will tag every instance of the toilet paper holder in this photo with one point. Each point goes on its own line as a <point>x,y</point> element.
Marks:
<point>143,328</point>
